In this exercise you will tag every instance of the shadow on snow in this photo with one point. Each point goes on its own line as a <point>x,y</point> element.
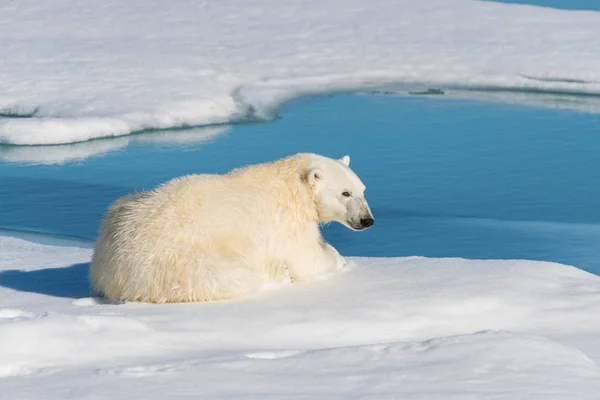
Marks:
<point>70,282</point>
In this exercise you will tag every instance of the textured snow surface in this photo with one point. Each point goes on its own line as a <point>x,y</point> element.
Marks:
<point>410,328</point>
<point>77,71</point>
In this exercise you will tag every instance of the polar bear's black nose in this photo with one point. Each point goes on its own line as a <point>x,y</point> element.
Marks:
<point>366,222</point>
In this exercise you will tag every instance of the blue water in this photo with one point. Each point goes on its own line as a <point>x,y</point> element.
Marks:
<point>445,178</point>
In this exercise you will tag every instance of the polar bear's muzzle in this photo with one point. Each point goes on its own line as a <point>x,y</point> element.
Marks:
<point>362,223</point>
<point>359,215</point>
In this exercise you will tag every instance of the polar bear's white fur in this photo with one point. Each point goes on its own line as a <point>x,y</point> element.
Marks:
<point>214,237</point>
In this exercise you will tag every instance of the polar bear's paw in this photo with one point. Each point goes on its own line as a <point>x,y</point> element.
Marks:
<point>342,262</point>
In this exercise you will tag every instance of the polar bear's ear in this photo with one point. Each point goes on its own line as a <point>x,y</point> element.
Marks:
<point>314,175</point>
<point>345,160</point>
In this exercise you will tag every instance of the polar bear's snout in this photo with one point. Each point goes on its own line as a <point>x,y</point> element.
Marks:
<point>359,214</point>
<point>362,222</point>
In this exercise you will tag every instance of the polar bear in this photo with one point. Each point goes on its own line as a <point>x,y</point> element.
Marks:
<point>214,237</point>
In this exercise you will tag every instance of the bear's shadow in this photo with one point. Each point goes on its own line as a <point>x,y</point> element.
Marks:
<point>69,282</point>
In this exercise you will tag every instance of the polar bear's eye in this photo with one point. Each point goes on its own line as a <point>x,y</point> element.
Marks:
<point>346,194</point>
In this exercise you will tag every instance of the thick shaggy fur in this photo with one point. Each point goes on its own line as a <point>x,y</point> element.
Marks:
<point>214,237</point>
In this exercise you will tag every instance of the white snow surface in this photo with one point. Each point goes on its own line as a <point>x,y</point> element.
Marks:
<point>64,153</point>
<point>85,70</point>
<point>385,328</point>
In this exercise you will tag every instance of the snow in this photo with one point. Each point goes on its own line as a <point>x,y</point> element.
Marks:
<point>72,73</point>
<point>64,153</point>
<point>411,328</point>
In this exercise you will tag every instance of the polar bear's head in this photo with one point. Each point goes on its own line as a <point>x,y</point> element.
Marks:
<point>339,194</point>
